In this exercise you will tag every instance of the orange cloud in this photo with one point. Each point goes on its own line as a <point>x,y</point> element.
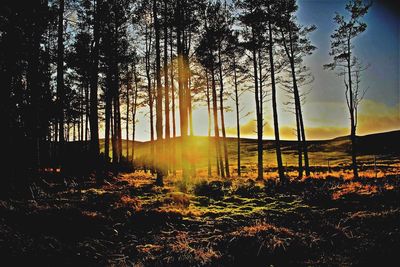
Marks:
<point>249,129</point>
<point>373,117</point>
<point>378,117</point>
<point>318,133</point>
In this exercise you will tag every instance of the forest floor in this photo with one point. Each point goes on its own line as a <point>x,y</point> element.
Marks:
<point>131,222</point>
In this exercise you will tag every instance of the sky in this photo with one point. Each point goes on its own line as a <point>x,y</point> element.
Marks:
<point>325,111</point>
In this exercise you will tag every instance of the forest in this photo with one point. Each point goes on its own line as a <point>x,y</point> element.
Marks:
<point>103,163</point>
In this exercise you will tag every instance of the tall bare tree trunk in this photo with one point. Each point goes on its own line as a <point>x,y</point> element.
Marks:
<point>134,109</point>
<point>281,171</point>
<point>166,79</point>
<point>299,144</point>
<point>94,121</point>
<point>352,116</point>
<point>209,124</point>
<point>221,100</point>
<point>166,86</point>
<point>159,99</point>
<point>261,105</point>
<point>173,105</point>
<point>301,137</point>
<point>237,115</point>
<point>128,90</point>
<point>260,169</point>
<point>182,96</point>
<point>220,163</point>
<point>60,77</point>
<point>108,110</point>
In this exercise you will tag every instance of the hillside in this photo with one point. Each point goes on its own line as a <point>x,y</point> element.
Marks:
<point>381,145</point>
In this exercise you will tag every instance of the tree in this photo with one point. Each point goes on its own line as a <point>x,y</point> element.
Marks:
<point>208,56</point>
<point>159,97</point>
<point>272,10</point>
<point>94,119</point>
<point>342,50</point>
<point>60,75</point>
<point>251,19</point>
<point>296,44</point>
<point>235,52</point>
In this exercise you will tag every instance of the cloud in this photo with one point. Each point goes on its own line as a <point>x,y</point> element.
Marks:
<point>330,120</point>
<point>317,133</point>
<point>378,117</point>
<point>249,128</point>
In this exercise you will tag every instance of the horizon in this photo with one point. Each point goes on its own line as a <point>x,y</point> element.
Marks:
<point>282,140</point>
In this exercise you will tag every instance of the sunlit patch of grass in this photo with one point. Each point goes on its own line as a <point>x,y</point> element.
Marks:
<point>177,199</point>
<point>94,191</point>
<point>260,227</point>
<point>191,212</point>
<point>354,187</point>
<point>149,248</point>
<point>131,201</point>
<point>178,203</point>
<point>263,238</point>
<point>137,178</point>
<point>183,250</point>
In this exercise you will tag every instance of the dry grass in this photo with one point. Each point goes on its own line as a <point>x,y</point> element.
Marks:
<point>260,228</point>
<point>354,187</point>
<point>185,251</point>
<point>131,201</point>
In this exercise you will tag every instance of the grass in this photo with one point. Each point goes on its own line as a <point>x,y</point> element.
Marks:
<point>326,219</point>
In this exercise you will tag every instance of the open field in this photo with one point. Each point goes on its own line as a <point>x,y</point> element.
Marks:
<point>131,222</point>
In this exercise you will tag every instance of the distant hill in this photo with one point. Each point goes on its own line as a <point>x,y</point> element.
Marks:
<point>336,150</point>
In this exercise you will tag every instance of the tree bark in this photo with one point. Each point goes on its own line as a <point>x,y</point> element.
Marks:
<point>352,117</point>
<point>173,105</point>
<point>159,99</point>
<point>221,100</point>
<point>237,115</point>
<point>94,121</point>
<point>216,128</point>
<point>209,124</point>
<point>166,84</point>
<point>281,171</point>
<point>60,77</point>
<point>260,169</point>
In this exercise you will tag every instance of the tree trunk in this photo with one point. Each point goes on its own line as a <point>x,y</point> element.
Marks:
<point>134,109</point>
<point>128,90</point>
<point>216,128</point>
<point>209,124</point>
<point>299,143</point>
<point>94,121</point>
<point>281,172</point>
<point>352,117</point>
<point>260,169</point>
<point>108,110</point>
<point>221,100</point>
<point>260,118</point>
<point>159,100</point>
<point>237,115</point>
<point>173,105</point>
<point>182,98</point>
<point>166,85</point>
<point>33,85</point>
<point>60,77</point>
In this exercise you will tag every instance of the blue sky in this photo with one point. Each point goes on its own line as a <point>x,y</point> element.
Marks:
<point>378,46</point>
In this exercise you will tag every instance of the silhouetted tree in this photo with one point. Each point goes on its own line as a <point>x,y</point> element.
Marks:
<point>296,45</point>
<point>348,28</point>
